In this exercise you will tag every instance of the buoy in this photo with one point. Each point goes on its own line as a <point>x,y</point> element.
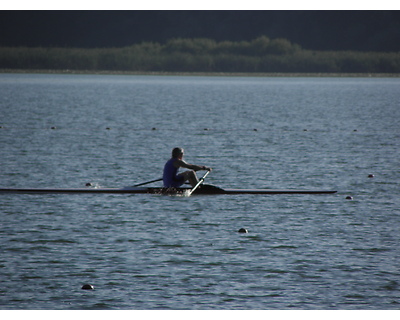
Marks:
<point>371,176</point>
<point>154,128</point>
<point>243,230</point>
<point>87,287</point>
<point>349,198</point>
<point>53,128</point>
<point>88,184</point>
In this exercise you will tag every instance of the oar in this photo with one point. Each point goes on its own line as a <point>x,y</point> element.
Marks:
<point>199,183</point>
<point>141,184</point>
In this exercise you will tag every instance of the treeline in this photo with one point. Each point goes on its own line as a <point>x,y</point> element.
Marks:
<point>261,55</point>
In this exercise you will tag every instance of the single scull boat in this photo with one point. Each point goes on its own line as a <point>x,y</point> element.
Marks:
<point>204,189</point>
<point>200,188</point>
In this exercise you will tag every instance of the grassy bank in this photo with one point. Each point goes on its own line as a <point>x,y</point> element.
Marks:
<point>203,74</point>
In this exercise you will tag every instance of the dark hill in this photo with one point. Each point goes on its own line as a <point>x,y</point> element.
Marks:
<point>316,30</point>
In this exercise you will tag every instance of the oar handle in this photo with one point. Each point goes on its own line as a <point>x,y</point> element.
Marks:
<point>199,183</point>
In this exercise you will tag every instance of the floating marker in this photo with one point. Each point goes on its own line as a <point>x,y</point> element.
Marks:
<point>371,176</point>
<point>243,230</point>
<point>349,198</point>
<point>87,287</point>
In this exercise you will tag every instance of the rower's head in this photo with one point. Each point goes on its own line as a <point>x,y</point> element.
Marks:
<point>177,153</point>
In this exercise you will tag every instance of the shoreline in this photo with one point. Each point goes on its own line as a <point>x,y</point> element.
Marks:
<point>203,74</point>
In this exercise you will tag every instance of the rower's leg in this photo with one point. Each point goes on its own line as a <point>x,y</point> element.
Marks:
<point>193,178</point>
<point>190,176</point>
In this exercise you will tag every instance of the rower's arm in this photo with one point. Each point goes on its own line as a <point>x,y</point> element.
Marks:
<point>194,167</point>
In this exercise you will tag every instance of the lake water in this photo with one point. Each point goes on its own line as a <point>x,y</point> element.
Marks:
<point>168,252</point>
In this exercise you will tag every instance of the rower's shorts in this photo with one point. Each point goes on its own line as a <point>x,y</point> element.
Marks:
<point>178,181</point>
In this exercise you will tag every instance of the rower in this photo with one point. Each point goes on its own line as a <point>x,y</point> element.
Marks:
<point>171,177</point>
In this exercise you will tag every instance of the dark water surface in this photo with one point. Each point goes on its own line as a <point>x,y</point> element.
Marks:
<point>165,252</point>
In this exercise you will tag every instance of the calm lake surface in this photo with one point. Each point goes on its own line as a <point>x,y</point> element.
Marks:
<point>170,252</point>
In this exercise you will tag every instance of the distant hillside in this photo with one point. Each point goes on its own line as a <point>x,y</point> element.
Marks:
<point>314,30</point>
<point>260,55</point>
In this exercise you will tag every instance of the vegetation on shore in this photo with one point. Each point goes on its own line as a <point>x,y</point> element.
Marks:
<point>261,55</point>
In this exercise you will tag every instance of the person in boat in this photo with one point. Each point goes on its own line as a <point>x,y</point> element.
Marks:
<point>172,178</point>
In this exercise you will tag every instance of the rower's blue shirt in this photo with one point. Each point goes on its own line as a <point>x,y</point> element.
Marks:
<point>170,176</point>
